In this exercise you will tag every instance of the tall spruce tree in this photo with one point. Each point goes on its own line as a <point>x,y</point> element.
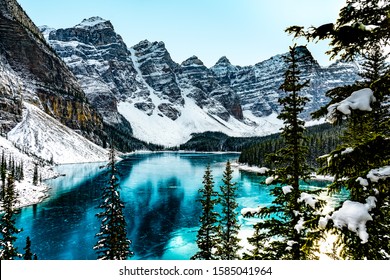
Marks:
<point>3,174</point>
<point>35,175</point>
<point>7,223</point>
<point>361,163</point>
<point>290,230</point>
<point>28,255</point>
<point>207,236</point>
<point>112,243</point>
<point>228,242</point>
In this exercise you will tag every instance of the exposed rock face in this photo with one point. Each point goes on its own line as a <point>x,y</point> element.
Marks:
<point>146,77</point>
<point>258,85</point>
<point>158,70</point>
<point>10,97</point>
<point>109,72</point>
<point>50,83</point>
<point>100,60</point>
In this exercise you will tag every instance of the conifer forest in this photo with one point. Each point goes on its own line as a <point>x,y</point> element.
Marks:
<point>349,146</point>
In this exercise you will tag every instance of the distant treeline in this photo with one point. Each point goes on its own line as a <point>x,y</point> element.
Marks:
<point>321,140</point>
<point>218,142</point>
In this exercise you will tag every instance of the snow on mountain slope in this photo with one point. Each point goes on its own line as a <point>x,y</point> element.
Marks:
<point>28,194</point>
<point>165,102</point>
<point>47,138</point>
<point>162,130</point>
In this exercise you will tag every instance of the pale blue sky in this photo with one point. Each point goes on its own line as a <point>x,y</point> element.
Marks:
<point>245,31</point>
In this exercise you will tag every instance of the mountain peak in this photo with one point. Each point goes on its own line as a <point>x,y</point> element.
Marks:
<point>192,60</point>
<point>223,61</point>
<point>94,22</point>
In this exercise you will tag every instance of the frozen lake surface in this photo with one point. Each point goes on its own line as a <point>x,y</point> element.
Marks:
<point>160,192</point>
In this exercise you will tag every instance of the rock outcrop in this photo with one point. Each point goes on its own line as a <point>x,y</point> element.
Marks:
<point>43,78</point>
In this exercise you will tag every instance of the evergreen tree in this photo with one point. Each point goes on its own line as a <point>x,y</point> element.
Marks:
<point>3,174</point>
<point>361,26</point>
<point>35,175</point>
<point>208,231</point>
<point>27,250</point>
<point>7,223</point>
<point>112,241</point>
<point>228,243</point>
<point>360,164</point>
<point>290,231</point>
<point>374,65</point>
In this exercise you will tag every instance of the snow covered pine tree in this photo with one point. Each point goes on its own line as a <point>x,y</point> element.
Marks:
<point>208,232</point>
<point>290,231</point>
<point>7,223</point>
<point>362,163</point>
<point>228,242</point>
<point>113,243</point>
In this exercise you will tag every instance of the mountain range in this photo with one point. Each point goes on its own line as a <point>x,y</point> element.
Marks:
<point>165,102</point>
<point>88,79</point>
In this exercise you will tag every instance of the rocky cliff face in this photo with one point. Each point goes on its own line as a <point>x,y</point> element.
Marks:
<point>40,76</point>
<point>258,86</point>
<point>144,86</point>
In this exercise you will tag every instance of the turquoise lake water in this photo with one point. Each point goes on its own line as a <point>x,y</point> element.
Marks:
<point>160,192</point>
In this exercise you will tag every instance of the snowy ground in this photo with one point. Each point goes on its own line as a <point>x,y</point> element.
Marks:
<point>45,139</point>
<point>50,140</point>
<point>28,194</point>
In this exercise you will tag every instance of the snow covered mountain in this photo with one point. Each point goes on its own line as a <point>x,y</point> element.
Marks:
<point>32,71</point>
<point>165,102</point>
<point>44,113</point>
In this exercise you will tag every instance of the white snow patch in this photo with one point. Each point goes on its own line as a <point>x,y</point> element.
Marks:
<point>250,212</point>
<point>93,22</point>
<point>358,100</point>
<point>159,129</point>
<point>254,169</point>
<point>380,173</point>
<point>347,151</point>
<point>28,194</point>
<point>287,189</point>
<point>308,199</point>
<point>269,180</point>
<point>353,215</point>
<point>48,139</point>
<point>290,243</point>
<point>299,226</point>
<point>363,182</point>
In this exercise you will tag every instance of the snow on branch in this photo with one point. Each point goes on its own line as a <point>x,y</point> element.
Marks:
<point>358,100</point>
<point>380,173</point>
<point>308,199</point>
<point>250,212</point>
<point>353,215</point>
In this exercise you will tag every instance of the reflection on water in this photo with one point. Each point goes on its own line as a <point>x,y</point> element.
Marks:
<point>160,192</point>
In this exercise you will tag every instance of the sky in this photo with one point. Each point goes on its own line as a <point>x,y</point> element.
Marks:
<point>245,31</point>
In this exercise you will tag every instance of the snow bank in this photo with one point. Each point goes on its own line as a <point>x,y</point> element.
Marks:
<point>28,194</point>
<point>353,215</point>
<point>358,100</point>
<point>254,169</point>
<point>317,177</point>
<point>47,138</point>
